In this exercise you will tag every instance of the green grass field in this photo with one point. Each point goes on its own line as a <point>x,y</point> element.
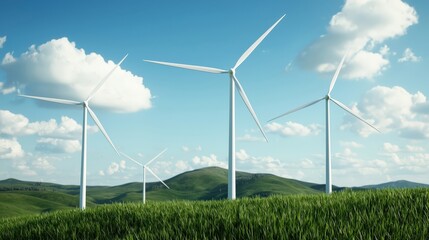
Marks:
<point>372,214</point>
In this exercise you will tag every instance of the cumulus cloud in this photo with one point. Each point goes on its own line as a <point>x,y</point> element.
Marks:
<point>60,70</point>
<point>242,155</point>
<point>391,109</point>
<point>405,161</point>
<point>18,125</point>
<point>24,169</point>
<point>6,89</point>
<point>358,28</point>
<point>182,165</point>
<point>114,168</point>
<point>250,138</point>
<point>262,163</point>
<point>54,145</point>
<point>2,41</point>
<point>391,148</point>
<point>409,56</point>
<point>43,163</point>
<point>208,161</point>
<point>350,144</point>
<point>10,149</point>
<point>292,129</point>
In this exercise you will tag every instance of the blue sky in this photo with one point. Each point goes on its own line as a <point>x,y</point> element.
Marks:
<point>62,49</point>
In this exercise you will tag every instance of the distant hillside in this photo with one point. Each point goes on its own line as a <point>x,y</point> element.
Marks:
<point>397,184</point>
<point>23,197</point>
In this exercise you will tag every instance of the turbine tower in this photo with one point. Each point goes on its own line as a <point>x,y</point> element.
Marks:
<point>234,83</point>
<point>328,98</point>
<point>145,167</point>
<point>86,109</point>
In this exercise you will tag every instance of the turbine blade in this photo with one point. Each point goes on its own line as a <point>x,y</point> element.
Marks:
<point>297,109</point>
<point>55,100</point>
<point>248,105</point>
<point>337,72</point>
<point>125,155</point>
<point>100,126</point>
<point>352,113</point>
<point>156,176</point>
<point>255,44</point>
<point>157,156</point>
<point>191,67</point>
<point>101,83</point>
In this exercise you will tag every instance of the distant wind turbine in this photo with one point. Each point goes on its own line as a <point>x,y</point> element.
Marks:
<point>233,83</point>
<point>328,98</point>
<point>145,167</point>
<point>86,109</point>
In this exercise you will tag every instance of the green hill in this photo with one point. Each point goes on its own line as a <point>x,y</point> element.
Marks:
<point>368,214</point>
<point>22,197</point>
<point>396,184</point>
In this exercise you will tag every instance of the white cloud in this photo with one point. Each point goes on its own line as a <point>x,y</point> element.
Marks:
<point>60,70</point>
<point>249,138</point>
<point>391,148</point>
<point>17,124</point>
<point>182,165</point>
<point>358,28</point>
<point>391,109</point>
<point>405,162</point>
<point>307,163</point>
<point>12,124</point>
<point>409,56</point>
<point>55,145</point>
<point>8,58</point>
<point>242,155</point>
<point>208,161</point>
<point>2,41</point>
<point>24,169</point>
<point>293,129</point>
<point>185,149</point>
<point>43,163</point>
<point>122,164</point>
<point>114,168</point>
<point>10,149</point>
<point>414,149</point>
<point>351,144</point>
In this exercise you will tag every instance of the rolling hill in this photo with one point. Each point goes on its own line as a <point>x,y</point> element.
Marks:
<point>23,197</point>
<point>396,184</point>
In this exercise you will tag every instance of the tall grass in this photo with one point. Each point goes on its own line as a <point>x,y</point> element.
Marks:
<point>382,214</point>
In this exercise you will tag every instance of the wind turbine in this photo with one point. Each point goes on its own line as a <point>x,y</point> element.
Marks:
<point>86,109</point>
<point>145,167</point>
<point>233,83</point>
<point>328,98</point>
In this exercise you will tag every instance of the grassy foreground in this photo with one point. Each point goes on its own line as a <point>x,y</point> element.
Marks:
<point>381,214</point>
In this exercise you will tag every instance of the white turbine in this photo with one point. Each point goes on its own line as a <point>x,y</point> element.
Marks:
<point>86,109</point>
<point>145,167</point>
<point>233,83</point>
<point>328,98</point>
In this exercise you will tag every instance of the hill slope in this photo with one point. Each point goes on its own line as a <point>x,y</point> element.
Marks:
<point>370,214</point>
<point>21,197</point>
<point>396,184</point>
